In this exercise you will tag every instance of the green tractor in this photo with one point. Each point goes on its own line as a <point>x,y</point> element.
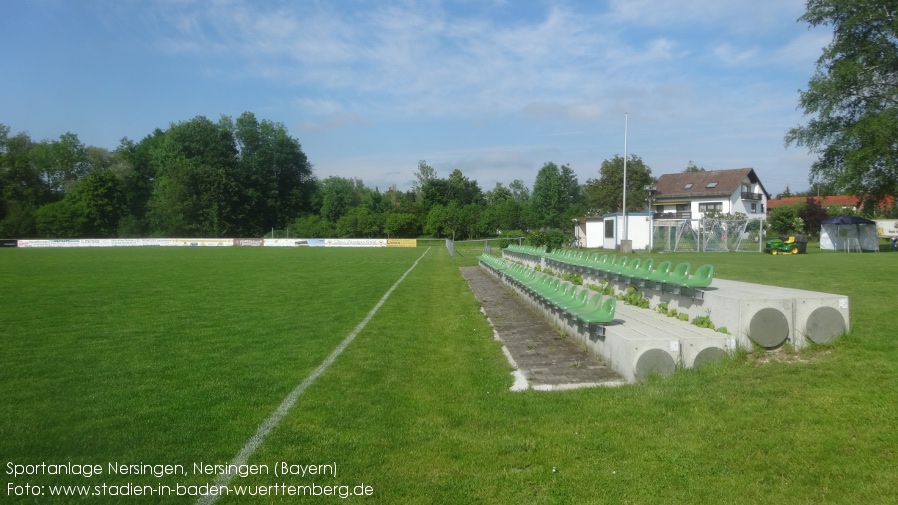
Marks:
<point>784,246</point>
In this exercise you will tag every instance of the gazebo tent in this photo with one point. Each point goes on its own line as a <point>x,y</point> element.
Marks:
<point>835,233</point>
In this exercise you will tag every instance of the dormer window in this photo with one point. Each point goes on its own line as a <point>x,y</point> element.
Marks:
<point>688,186</point>
<point>712,185</point>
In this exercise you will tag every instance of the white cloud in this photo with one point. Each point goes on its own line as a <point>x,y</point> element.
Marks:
<point>731,55</point>
<point>333,121</point>
<point>806,48</point>
<point>577,111</point>
<point>733,16</point>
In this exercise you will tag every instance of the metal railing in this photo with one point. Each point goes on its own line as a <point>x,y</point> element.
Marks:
<point>673,215</point>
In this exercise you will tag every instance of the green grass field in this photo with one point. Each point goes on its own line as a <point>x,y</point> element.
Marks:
<point>175,356</point>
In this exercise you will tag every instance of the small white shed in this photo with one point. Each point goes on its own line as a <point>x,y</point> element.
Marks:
<point>607,231</point>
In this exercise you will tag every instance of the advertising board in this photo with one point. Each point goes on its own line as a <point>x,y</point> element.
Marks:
<point>887,228</point>
<point>249,242</point>
<point>294,242</point>
<point>355,242</point>
<point>402,242</point>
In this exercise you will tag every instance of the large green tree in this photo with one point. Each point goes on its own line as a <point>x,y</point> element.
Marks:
<point>556,197</point>
<point>605,194</point>
<point>275,176</point>
<point>196,191</point>
<point>457,187</point>
<point>92,209</point>
<point>61,163</point>
<point>21,189</point>
<point>139,179</point>
<point>852,98</point>
<point>338,195</point>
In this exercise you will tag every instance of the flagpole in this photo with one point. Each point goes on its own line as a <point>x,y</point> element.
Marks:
<point>624,213</point>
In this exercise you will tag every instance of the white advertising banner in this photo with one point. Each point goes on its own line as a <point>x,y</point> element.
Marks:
<point>218,242</point>
<point>356,242</point>
<point>201,242</point>
<point>34,243</point>
<point>294,242</point>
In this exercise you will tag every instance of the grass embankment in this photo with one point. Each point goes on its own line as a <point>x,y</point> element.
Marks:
<point>418,406</point>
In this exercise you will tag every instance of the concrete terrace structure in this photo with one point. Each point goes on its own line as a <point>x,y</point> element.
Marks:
<point>639,342</point>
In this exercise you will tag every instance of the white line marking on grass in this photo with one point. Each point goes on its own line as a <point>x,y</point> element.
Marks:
<point>223,479</point>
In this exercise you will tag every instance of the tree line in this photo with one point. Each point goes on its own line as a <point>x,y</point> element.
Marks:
<point>241,177</point>
<point>244,177</point>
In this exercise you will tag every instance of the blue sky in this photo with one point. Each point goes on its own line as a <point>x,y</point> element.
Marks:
<point>493,88</point>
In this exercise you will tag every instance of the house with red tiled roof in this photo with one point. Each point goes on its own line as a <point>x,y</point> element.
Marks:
<point>690,195</point>
<point>852,202</point>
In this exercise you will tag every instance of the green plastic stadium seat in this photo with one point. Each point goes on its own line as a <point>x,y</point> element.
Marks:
<point>660,273</point>
<point>565,290</point>
<point>631,268</point>
<point>578,300</point>
<point>618,266</point>
<point>701,278</point>
<point>605,313</point>
<point>679,274</point>
<point>593,305</point>
<point>645,269</point>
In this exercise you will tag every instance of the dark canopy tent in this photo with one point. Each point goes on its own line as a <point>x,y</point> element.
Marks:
<point>848,232</point>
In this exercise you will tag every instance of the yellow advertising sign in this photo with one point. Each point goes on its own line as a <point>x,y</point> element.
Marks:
<point>402,242</point>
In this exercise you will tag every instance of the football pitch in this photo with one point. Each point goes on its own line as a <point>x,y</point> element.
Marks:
<point>138,375</point>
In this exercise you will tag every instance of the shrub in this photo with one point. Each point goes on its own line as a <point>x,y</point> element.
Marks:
<point>784,220</point>
<point>551,239</point>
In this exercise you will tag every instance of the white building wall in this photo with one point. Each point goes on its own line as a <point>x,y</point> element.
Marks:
<point>639,230</point>
<point>595,232</point>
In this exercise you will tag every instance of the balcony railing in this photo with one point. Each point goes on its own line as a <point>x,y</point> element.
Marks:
<point>672,215</point>
<point>746,195</point>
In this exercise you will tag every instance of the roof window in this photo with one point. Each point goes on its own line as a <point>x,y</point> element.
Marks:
<point>712,185</point>
<point>688,186</point>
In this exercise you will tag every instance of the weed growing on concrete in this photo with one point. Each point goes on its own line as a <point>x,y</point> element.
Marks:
<point>634,297</point>
<point>573,278</point>
<point>604,289</point>
<point>704,321</point>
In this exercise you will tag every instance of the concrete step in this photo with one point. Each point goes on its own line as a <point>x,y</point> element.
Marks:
<point>642,342</point>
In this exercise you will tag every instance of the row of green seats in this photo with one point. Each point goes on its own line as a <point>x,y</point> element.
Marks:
<point>497,265</point>
<point>560,295</point>
<point>606,265</point>
<point>528,250</point>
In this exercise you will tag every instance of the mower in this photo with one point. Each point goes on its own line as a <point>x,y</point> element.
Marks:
<point>780,246</point>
